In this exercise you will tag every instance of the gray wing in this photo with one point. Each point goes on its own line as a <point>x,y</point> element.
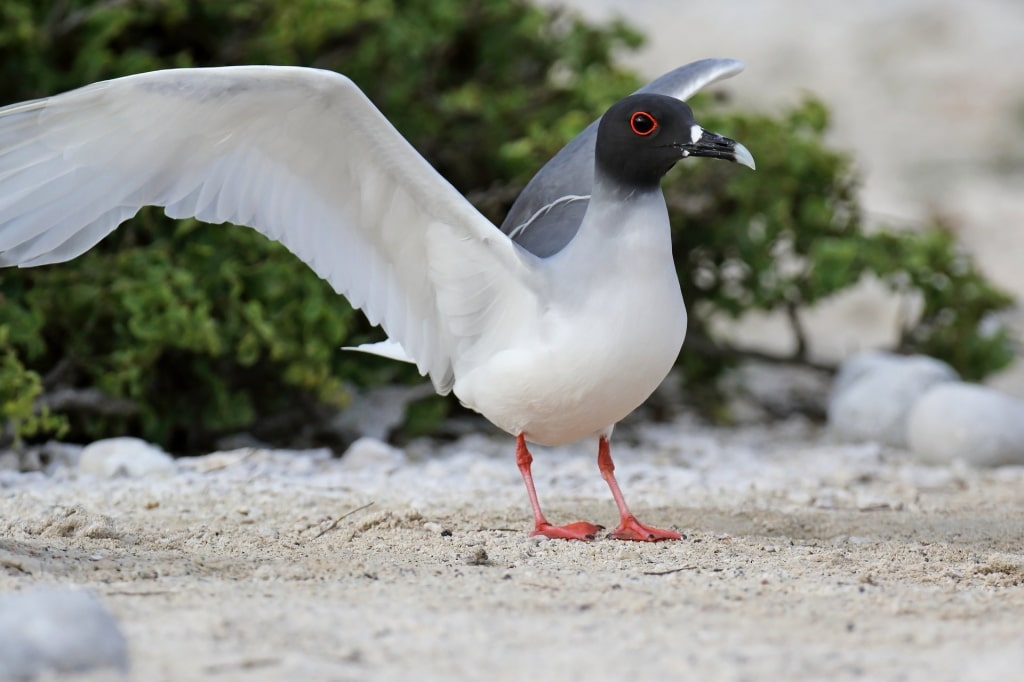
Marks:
<point>549,210</point>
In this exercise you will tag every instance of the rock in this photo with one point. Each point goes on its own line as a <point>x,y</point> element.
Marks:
<point>9,460</point>
<point>131,457</point>
<point>371,453</point>
<point>48,457</point>
<point>874,392</point>
<point>56,455</point>
<point>760,391</point>
<point>240,441</point>
<point>857,366</point>
<point>376,412</point>
<point>57,630</point>
<point>969,423</point>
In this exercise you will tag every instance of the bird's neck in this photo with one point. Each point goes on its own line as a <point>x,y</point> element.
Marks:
<point>624,212</point>
<point>624,228</point>
<point>609,189</point>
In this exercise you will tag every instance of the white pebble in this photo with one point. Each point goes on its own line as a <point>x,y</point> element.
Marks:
<point>969,423</point>
<point>57,630</point>
<point>874,392</point>
<point>371,453</point>
<point>130,457</point>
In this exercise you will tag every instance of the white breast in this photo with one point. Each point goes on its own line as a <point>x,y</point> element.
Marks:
<point>607,328</point>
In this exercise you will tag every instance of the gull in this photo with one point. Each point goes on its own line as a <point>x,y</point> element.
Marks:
<point>554,326</point>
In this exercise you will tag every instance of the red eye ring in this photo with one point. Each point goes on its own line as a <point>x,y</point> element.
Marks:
<point>642,123</point>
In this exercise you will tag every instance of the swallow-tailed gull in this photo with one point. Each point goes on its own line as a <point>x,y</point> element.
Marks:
<point>554,327</point>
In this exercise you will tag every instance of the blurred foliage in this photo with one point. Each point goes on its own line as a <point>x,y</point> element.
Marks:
<point>19,388</point>
<point>211,330</point>
<point>792,234</point>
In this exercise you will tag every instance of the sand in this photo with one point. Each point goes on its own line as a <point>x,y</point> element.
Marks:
<point>802,559</point>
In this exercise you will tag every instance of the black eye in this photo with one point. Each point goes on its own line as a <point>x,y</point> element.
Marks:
<point>642,123</point>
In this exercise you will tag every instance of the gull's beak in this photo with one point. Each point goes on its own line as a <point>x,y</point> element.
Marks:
<point>706,143</point>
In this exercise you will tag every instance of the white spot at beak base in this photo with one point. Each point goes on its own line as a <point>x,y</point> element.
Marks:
<point>696,132</point>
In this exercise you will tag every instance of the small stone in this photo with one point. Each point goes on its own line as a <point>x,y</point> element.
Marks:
<point>377,412</point>
<point>50,457</point>
<point>874,392</point>
<point>268,533</point>
<point>859,365</point>
<point>57,455</point>
<point>969,423</point>
<point>127,457</point>
<point>479,558</point>
<point>56,630</point>
<point>627,553</point>
<point>368,453</point>
<point>9,461</point>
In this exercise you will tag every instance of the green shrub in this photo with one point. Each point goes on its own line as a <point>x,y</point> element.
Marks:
<point>792,235</point>
<point>19,388</point>
<point>209,329</point>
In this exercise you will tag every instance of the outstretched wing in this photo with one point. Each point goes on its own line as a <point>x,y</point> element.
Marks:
<point>546,215</point>
<point>299,154</point>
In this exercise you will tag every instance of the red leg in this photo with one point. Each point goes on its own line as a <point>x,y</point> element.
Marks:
<point>629,528</point>
<point>581,530</point>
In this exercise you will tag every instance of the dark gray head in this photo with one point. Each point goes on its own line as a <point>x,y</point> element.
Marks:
<point>642,136</point>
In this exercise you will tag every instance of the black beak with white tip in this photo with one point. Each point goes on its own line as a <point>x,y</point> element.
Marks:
<point>715,146</point>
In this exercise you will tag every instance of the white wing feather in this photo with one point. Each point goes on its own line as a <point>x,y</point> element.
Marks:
<point>299,154</point>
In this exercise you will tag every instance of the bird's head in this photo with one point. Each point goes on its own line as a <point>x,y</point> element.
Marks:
<point>642,136</point>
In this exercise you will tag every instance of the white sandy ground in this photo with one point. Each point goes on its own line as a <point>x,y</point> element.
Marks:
<point>803,559</point>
